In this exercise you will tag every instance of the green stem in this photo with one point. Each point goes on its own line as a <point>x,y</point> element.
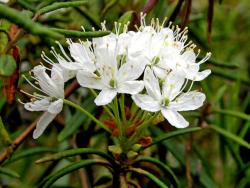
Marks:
<point>139,131</point>
<point>117,115</point>
<point>122,107</point>
<point>86,113</point>
<point>147,122</point>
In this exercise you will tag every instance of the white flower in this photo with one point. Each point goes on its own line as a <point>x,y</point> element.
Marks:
<point>83,58</point>
<point>169,100</point>
<point>186,63</point>
<point>115,73</point>
<point>164,49</point>
<point>51,99</point>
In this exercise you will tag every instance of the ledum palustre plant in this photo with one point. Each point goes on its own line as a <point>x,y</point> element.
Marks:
<point>128,97</point>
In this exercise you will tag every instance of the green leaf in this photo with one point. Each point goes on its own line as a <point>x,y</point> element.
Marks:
<point>73,152</point>
<point>9,172</point>
<point>78,119</point>
<point>163,167</point>
<point>231,136</point>
<point>223,65</point>
<point>233,113</point>
<point>4,135</point>
<point>25,22</point>
<point>7,65</point>
<point>173,134</point>
<point>108,6</point>
<point>70,168</point>
<point>26,5</point>
<point>90,16</point>
<point>228,75</point>
<point>59,5</point>
<point>125,18</point>
<point>149,176</point>
<point>176,150</point>
<point>80,34</point>
<point>29,152</point>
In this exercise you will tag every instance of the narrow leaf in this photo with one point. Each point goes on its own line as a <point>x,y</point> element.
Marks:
<point>108,6</point>
<point>222,65</point>
<point>163,167</point>
<point>70,168</point>
<point>29,152</point>
<point>82,34</point>
<point>73,152</point>
<point>233,113</point>
<point>25,22</point>
<point>59,5</point>
<point>173,134</point>
<point>26,5</point>
<point>125,19</point>
<point>9,172</point>
<point>228,75</point>
<point>150,176</point>
<point>231,136</point>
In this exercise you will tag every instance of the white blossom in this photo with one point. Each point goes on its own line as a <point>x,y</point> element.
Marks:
<point>168,97</point>
<point>51,98</point>
<point>115,73</point>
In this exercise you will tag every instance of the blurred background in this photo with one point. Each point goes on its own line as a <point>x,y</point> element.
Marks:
<point>217,156</point>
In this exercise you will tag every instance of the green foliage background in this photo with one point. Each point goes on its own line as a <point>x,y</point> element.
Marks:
<point>215,156</point>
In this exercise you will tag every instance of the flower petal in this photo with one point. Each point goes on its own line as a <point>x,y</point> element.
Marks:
<point>67,74</point>
<point>188,101</point>
<point>160,72</point>
<point>146,102</point>
<point>130,87</point>
<point>43,123</point>
<point>200,75</point>
<point>105,97</point>
<point>152,84</point>
<point>130,71</point>
<point>56,106</point>
<point>174,118</point>
<point>81,53</point>
<point>89,80</point>
<point>173,84</point>
<point>38,105</point>
<point>73,66</point>
<point>46,83</point>
<point>189,56</point>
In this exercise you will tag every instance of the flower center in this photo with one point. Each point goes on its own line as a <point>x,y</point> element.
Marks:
<point>112,83</point>
<point>165,102</point>
<point>156,60</point>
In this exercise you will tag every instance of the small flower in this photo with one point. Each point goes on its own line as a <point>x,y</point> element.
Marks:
<point>115,71</point>
<point>170,99</point>
<point>165,49</point>
<point>51,99</point>
<point>83,58</point>
<point>186,63</point>
<point>111,79</point>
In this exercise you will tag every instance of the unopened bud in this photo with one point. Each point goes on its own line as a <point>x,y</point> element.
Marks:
<point>136,147</point>
<point>131,154</point>
<point>114,149</point>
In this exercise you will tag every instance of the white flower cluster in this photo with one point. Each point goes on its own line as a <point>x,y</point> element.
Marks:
<point>154,65</point>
